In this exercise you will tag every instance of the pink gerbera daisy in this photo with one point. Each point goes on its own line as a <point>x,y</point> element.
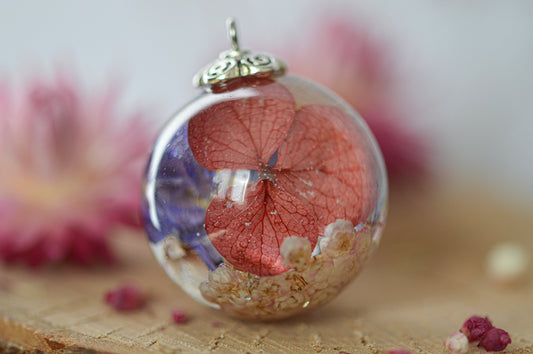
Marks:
<point>70,170</point>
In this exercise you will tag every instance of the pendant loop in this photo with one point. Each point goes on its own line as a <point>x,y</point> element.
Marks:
<point>232,33</point>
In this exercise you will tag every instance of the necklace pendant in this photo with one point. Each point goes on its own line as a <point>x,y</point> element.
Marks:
<point>266,194</point>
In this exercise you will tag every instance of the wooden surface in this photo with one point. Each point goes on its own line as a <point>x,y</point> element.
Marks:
<point>426,278</point>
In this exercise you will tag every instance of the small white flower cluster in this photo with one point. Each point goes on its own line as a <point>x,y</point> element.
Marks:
<point>309,282</point>
<point>457,343</point>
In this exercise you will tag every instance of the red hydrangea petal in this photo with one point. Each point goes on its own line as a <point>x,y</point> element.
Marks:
<point>243,130</point>
<point>249,233</point>
<point>324,162</point>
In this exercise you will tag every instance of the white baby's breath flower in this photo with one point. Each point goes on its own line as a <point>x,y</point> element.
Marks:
<point>295,252</point>
<point>457,343</point>
<point>310,281</point>
<point>338,238</point>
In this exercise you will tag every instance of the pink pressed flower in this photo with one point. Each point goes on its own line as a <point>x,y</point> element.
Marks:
<point>125,298</point>
<point>495,340</point>
<point>475,327</point>
<point>349,62</point>
<point>248,233</point>
<point>69,172</point>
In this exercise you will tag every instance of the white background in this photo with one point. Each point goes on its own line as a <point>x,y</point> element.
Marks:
<point>465,66</point>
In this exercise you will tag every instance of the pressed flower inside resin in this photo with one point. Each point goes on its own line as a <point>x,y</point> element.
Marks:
<point>265,195</point>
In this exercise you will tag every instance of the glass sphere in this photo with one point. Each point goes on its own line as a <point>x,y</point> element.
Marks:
<point>264,197</point>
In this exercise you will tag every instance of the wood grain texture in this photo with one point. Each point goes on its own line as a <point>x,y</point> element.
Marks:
<point>427,277</point>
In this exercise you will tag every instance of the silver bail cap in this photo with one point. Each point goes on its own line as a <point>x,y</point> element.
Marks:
<point>237,63</point>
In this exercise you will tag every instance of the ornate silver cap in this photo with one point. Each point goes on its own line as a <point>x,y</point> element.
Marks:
<point>236,63</point>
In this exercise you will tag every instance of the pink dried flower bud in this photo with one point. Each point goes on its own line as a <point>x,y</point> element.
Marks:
<point>457,343</point>
<point>475,327</point>
<point>179,316</point>
<point>495,340</point>
<point>397,351</point>
<point>125,298</point>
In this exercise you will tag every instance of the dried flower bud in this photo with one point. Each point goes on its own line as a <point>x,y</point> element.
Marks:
<point>397,351</point>
<point>495,340</point>
<point>507,263</point>
<point>125,298</point>
<point>457,343</point>
<point>475,327</point>
<point>179,316</point>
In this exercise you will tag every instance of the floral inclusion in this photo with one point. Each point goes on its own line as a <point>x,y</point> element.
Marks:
<point>313,169</point>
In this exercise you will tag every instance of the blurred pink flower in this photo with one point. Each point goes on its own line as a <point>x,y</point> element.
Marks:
<point>70,170</point>
<point>344,58</point>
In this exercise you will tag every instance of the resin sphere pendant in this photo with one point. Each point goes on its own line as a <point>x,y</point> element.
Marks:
<point>265,195</point>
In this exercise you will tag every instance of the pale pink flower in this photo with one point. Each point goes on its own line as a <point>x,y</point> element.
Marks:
<point>345,58</point>
<point>70,170</point>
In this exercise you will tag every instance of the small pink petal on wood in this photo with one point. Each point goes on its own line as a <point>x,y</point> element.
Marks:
<point>179,316</point>
<point>397,351</point>
<point>125,298</point>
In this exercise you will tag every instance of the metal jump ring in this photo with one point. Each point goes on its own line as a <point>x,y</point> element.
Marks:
<point>232,33</point>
